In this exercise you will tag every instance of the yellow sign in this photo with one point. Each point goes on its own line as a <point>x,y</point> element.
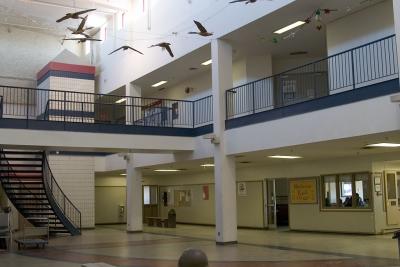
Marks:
<point>303,191</point>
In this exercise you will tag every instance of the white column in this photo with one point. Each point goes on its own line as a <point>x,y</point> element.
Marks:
<point>224,171</point>
<point>396,11</point>
<point>133,110</point>
<point>134,197</point>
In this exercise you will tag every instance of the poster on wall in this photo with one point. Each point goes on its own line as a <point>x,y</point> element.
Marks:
<point>242,189</point>
<point>183,198</point>
<point>206,192</point>
<point>303,191</point>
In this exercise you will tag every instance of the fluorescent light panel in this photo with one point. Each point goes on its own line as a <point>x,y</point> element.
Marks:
<point>120,101</point>
<point>159,84</point>
<point>123,174</point>
<point>206,63</point>
<point>289,27</point>
<point>207,165</point>
<point>392,145</point>
<point>284,157</point>
<point>167,170</point>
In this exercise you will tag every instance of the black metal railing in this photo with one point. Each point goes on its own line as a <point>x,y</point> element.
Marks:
<point>69,210</point>
<point>368,64</point>
<point>203,111</point>
<point>64,106</point>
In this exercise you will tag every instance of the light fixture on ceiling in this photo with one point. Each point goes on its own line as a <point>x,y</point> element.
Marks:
<point>159,83</point>
<point>390,145</point>
<point>284,157</point>
<point>290,27</point>
<point>206,63</point>
<point>207,165</point>
<point>120,101</point>
<point>167,170</point>
<point>123,174</point>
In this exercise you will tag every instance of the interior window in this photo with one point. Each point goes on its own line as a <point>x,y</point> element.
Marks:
<point>346,190</point>
<point>146,195</point>
<point>330,191</point>
<point>362,190</point>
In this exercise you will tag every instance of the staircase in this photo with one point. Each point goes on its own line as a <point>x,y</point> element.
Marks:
<point>29,184</point>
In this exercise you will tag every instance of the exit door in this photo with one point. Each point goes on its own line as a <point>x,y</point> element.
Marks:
<point>391,199</point>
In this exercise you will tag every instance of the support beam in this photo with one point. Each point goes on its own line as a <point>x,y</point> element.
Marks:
<point>224,170</point>
<point>134,198</point>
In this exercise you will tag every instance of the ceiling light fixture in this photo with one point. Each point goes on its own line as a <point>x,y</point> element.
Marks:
<point>120,101</point>
<point>159,84</point>
<point>123,174</point>
<point>289,27</point>
<point>284,157</point>
<point>390,145</point>
<point>207,165</point>
<point>167,170</point>
<point>206,63</point>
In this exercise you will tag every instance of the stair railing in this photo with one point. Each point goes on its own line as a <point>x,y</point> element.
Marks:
<point>70,211</point>
<point>21,185</point>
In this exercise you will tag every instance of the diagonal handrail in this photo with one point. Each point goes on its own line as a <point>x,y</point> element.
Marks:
<point>70,211</point>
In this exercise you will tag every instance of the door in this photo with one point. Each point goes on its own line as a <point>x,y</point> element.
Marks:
<point>270,203</point>
<point>391,200</point>
<point>150,201</point>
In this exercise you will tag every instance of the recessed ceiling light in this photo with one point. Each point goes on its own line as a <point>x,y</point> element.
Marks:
<point>167,170</point>
<point>159,84</point>
<point>123,174</point>
<point>120,101</point>
<point>206,63</point>
<point>207,165</point>
<point>392,145</point>
<point>284,157</point>
<point>289,27</point>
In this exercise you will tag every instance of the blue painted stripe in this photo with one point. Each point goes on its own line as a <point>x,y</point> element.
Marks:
<point>347,97</point>
<point>66,74</point>
<point>71,113</point>
<point>101,128</point>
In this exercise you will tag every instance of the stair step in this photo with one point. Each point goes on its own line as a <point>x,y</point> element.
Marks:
<point>23,182</point>
<point>21,178</point>
<point>38,212</point>
<point>31,193</point>
<point>20,171</point>
<point>33,209</point>
<point>21,165</point>
<point>23,159</point>
<point>14,152</point>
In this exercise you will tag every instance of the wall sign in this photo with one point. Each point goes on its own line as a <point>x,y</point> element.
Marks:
<point>303,191</point>
<point>377,182</point>
<point>242,189</point>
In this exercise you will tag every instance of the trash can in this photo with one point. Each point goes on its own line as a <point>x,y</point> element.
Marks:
<point>396,235</point>
<point>171,218</point>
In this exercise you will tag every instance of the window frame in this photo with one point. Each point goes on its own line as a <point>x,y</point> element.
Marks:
<point>353,207</point>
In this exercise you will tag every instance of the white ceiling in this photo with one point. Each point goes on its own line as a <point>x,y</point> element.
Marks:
<point>256,39</point>
<point>41,15</point>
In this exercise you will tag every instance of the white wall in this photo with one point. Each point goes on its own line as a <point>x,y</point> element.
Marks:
<point>119,70</point>
<point>24,53</point>
<point>75,175</point>
<point>362,27</point>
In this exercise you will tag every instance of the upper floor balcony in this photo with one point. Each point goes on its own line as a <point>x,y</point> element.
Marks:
<point>360,73</point>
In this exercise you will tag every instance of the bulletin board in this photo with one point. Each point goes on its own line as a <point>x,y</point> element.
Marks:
<point>303,191</point>
<point>183,198</point>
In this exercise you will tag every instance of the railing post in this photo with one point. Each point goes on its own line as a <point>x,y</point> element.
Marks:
<point>27,108</point>
<point>254,98</point>
<point>64,107</point>
<point>352,69</point>
<point>82,112</point>
<point>226,105</point>
<point>193,114</point>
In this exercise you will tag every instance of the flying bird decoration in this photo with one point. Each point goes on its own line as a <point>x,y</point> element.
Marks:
<point>166,46</point>
<point>247,1</point>
<point>81,29</point>
<point>202,30</point>
<point>124,48</point>
<point>76,15</point>
<point>82,40</point>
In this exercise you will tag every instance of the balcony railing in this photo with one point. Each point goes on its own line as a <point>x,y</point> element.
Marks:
<point>75,107</point>
<point>365,65</point>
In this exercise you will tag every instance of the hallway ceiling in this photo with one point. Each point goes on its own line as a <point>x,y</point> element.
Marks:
<point>256,39</point>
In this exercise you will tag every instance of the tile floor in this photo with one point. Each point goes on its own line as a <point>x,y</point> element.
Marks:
<point>162,247</point>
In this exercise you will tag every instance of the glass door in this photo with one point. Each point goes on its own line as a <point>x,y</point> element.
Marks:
<point>271,203</point>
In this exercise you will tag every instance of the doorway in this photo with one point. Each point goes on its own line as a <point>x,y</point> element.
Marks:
<point>150,201</point>
<point>392,198</point>
<point>276,203</point>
